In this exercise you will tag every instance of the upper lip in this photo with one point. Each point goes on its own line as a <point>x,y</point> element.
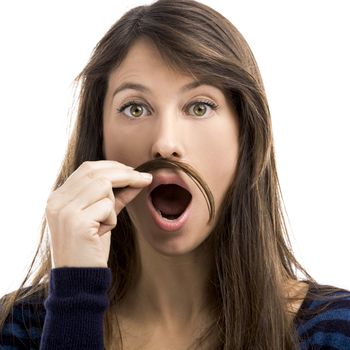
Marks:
<point>167,179</point>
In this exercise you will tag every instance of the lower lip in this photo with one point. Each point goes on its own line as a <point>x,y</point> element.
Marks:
<point>169,225</point>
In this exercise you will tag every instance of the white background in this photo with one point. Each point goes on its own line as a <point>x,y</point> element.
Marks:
<point>302,48</point>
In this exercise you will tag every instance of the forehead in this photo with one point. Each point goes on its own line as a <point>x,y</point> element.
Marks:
<point>145,70</point>
<point>144,66</point>
<point>144,62</point>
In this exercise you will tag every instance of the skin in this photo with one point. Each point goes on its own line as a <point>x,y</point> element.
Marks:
<point>209,143</point>
<point>167,306</point>
<point>82,212</point>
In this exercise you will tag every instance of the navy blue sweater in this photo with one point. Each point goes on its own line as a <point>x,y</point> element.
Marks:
<point>71,318</point>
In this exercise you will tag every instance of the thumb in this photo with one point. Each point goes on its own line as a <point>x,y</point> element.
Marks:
<point>125,196</point>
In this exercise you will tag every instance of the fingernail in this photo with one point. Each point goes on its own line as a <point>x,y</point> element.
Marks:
<point>146,176</point>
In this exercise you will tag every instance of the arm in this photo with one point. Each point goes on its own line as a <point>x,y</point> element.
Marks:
<point>75,309</point>
<point>328,328</point>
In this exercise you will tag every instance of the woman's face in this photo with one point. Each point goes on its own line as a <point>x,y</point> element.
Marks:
<point>165,122</point>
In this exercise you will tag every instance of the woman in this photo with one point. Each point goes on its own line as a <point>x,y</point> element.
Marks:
<point>194,254</point>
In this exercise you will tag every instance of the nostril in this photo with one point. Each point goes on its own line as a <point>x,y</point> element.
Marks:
<point>174,156</point>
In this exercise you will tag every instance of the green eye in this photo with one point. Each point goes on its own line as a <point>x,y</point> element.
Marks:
<point>200,109</point>
<point>136,110</point>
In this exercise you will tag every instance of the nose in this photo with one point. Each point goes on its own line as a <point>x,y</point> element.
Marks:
<point>167,141</point>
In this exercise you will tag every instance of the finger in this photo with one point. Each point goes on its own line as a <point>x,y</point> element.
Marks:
<point>102,187</point>
<point>124,197</point>
<point>131,178</point>
<point>100,217</point>
<point>118,178</point>
<point>93,192</point>
<point>90,170</point>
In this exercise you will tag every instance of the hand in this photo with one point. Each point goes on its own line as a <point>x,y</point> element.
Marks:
<point>83,211</point>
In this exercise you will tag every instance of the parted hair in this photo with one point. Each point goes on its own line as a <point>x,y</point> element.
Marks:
<point>252,252</point>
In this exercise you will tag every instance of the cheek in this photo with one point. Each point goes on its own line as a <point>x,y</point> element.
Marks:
<point>217,147</point>
<point>122,144</point>
<point>112,143</point>
<point>220,157</point>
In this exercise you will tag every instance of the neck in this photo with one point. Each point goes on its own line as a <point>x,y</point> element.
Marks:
<point>172,290</point>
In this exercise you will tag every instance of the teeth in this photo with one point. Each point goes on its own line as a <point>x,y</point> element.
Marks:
<point>163,217</point>
<point>167,219</point>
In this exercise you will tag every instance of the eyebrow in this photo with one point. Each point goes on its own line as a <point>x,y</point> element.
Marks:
<point>135,86</point>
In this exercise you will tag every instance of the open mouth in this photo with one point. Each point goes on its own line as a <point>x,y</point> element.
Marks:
<point>170,201</point>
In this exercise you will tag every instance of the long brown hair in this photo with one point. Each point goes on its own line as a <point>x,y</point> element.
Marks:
<point>253,255</point>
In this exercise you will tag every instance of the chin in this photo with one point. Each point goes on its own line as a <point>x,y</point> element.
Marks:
<point>178,245</point>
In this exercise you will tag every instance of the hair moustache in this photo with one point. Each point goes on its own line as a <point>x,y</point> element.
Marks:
<point>160,163</point>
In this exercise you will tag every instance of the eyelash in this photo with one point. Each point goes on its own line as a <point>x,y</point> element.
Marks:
<point>211,104</point>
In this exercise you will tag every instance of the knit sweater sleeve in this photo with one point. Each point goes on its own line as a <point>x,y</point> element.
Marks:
<point>328,328</point>
<point>75,308</point>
